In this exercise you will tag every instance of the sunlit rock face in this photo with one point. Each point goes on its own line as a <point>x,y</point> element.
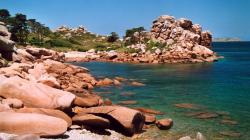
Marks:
<point>185,40</point>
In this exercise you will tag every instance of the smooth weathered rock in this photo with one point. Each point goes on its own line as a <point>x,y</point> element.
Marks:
<point>49,112</point>
<point>87,100</point>
<point>40,75</point>
<point>13,103</point>
<point>122,119</point>
<point>5,108</point>
<point>164,124</point>
<point>35,94</point>
<point>28,123</point>
<point>91,121</point>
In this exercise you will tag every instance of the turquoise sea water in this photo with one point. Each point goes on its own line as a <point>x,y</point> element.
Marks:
<point>223,86</point>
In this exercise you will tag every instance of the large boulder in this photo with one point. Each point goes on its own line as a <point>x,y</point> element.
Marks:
<point>49,112</point>
<point>35,94</point>
<point>125,120</point>
<point>28,123</point>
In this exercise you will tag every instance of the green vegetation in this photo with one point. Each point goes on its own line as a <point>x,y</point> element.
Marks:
<point>152,44</point>
<point>31,32</point>
<point>113,37</point>
<point>132,38</point>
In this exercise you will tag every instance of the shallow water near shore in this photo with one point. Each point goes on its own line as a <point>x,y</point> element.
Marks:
<point>221,88</point>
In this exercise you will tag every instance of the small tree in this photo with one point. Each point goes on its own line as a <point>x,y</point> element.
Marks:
<point>19,29</point>
<point>4,15</point>
<point>113,37</point>
<point>134,35</point>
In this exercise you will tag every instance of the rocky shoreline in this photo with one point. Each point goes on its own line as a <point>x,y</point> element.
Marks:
<point>41,96</point>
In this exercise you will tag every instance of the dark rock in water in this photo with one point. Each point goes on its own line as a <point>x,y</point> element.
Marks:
<point>187,106</point>
<point>130,102</point>
<point>91,121</point>
<point>164,124</point>
<point>223,113</point>
<point>148,111</point>
<point>230,134</point>
<point>127,93</point>
<point>230,122</point>
<point>192,114</point>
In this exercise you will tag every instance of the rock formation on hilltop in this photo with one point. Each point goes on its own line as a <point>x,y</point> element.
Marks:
<point>68,32</point>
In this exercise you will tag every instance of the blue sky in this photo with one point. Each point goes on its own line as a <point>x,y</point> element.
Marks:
<point>224,18</point>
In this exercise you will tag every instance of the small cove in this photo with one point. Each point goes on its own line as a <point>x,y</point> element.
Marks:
<point>220,88</point>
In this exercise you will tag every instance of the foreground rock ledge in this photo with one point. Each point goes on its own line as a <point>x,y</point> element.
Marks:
<point>125,120</point>
<point>28,123</point>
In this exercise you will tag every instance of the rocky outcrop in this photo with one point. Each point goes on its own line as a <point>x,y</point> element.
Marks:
<point>186,41</point>
<point>68,32</point>
<point>28,123</point>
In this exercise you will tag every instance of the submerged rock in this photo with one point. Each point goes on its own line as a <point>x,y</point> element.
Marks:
<point>230,134</point>
<point>187,106</point>
<point>130,102</point>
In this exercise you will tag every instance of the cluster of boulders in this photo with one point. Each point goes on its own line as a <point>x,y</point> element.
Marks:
<point>42,87</point>
<point>186,41</point>
<point>41,95</point>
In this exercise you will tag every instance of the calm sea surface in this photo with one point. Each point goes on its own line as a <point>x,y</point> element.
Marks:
<point>222,87</point>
